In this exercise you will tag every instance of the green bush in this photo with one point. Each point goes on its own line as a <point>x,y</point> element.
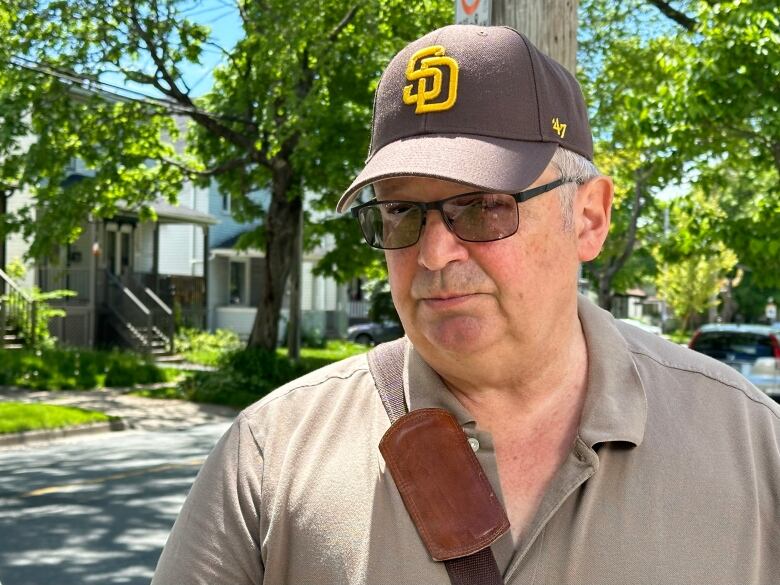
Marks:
<point>203,347</point>
<point>313,338</point>
<point>71,368</point>
<point>247,375</point>
<point>243,377</point>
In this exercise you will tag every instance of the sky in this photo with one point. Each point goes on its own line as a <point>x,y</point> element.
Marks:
<point>225,23</point>
<point>223,18</point>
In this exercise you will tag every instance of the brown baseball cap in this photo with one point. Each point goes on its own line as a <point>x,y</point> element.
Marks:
<point>475,105</point>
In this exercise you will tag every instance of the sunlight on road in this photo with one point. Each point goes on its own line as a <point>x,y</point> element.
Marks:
<point>74,486</point>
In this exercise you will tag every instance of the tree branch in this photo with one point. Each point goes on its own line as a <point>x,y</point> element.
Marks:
<point>223,168</point>
<point>158,56</point>
<point>670,12</point>
<point>343,23</point>
<point>640,176</point>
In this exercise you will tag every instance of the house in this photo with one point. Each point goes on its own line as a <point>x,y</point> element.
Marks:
<point>235,276</point>
<point>634,303</point>
<point>133,280</point>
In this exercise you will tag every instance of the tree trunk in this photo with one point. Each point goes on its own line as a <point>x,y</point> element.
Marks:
<point>607,273</point>
<point>280,241</point>
<point>551,25</point>
<point>605,290</point>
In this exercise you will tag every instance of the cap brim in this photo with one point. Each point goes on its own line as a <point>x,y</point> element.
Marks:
<point>493,164</point>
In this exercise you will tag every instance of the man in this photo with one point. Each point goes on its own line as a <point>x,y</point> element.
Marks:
<point>619,458</point>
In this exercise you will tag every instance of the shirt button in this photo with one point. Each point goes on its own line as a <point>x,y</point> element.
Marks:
<point>474,444</point>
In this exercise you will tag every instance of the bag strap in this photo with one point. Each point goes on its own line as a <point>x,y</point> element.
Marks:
<point>386,363</point>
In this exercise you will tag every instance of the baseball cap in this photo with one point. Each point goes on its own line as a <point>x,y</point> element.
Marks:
<point>475,105</point>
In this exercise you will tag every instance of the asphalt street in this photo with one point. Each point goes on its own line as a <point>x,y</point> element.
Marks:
<point>95,509</point>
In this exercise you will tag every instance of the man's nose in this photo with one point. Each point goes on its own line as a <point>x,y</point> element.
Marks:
<point>438,246</point>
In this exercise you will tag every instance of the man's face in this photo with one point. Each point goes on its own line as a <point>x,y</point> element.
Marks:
<point>466,297</point>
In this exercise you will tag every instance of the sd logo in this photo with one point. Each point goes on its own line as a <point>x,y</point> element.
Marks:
<point>432,62</point>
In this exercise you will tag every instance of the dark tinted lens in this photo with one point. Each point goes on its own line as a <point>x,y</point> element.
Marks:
<point>391,225</point>
<point>482,217</point>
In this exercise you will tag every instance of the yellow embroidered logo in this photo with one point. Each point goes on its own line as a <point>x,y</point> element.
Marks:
<point>559,127</point>
<point>432,64</point>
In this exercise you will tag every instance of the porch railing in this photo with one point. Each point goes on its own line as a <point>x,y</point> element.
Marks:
<point>162,317</point>
<point>74,279</point>
<point>146,325</point>
<point>19,309</point>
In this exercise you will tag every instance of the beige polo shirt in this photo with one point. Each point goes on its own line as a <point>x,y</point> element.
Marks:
<point>673,479</point>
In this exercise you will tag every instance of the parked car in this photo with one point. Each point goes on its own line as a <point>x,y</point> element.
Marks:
<point>373,333</point>
<point>752,350</point>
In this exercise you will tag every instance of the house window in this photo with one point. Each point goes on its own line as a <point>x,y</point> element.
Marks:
<point>237,286</point>
<point>226,202</point>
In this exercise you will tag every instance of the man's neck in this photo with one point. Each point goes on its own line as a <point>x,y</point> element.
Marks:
<point>552,362</point>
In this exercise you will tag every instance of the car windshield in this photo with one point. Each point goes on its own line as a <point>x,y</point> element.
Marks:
<point>733,345</point>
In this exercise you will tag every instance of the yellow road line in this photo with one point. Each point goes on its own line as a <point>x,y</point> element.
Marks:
<point>136,472</point>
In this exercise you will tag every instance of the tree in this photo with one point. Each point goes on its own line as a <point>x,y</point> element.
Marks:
<point>692,90</point>
<point>692,284</point>
<point>632,135</point>
<point>289,111</point>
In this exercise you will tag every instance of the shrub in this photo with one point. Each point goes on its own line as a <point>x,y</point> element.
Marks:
<point>244,377</point>
<point>71,368</point>
<point>203,347</point>
<point>247,375</point>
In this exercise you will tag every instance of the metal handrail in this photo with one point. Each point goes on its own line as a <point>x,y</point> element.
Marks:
<point>126,304</point>
<point>10,282</point>
<point>127,292</point>
<point>157,319</point>
<point>158,300</point>
<point>21,310</point>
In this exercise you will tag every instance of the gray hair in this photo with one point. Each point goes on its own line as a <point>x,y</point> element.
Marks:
<point>577,169</point>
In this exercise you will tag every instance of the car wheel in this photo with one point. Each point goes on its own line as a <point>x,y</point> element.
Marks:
<point>364,339</point>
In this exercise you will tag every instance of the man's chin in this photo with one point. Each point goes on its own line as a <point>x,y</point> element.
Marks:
<point>464,334</point>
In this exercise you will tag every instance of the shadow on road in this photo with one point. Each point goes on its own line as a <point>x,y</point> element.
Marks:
<point>97,510</point>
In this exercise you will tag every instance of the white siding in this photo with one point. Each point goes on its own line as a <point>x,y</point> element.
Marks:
<point>175,247</point>
<point>307,288</point>
<point>196,251</point>
<point>237,319</point>
<point>181,246</point>
<point>144,247</point>
<point>16,247</point>
<point>218,288</point>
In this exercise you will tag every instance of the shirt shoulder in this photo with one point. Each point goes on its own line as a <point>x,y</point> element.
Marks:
<point>338,393</point>
<point>659,358</point>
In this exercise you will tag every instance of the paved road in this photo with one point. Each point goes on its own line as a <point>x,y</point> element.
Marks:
<point>96,509</point>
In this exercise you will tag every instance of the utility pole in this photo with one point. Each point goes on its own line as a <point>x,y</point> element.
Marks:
<point>296,273</point>
<point>551,25</point>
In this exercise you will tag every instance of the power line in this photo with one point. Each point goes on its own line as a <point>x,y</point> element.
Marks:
<point>97,87</point>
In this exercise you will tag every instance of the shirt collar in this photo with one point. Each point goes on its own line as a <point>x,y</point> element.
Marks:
<point>615,407</point>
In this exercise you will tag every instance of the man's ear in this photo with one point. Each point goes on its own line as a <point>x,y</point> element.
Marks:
<point>592,209</point>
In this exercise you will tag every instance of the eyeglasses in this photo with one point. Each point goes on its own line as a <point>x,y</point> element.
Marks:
<point>473,217</point>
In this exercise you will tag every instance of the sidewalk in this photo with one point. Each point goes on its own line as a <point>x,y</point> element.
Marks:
<point>136,412</point>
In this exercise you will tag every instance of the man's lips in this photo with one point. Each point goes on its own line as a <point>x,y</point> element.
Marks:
<point>447,300</point>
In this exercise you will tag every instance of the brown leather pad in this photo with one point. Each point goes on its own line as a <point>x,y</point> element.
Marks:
<point>442,484</point>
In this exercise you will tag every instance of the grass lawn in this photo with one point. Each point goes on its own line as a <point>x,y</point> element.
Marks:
<point>332,352</point>
<point>17,416</point>
<point>165,392</point>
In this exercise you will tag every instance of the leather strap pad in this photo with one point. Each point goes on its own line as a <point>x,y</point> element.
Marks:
<point>442,484</point>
